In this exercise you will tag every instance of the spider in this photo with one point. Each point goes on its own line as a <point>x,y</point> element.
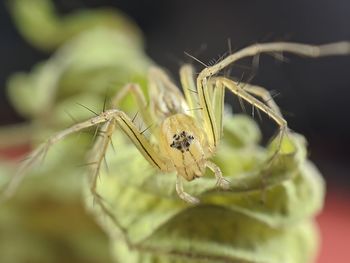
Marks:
<point>183,140</point>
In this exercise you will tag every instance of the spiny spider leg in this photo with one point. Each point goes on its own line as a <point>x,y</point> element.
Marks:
<point>121,119</point>
<point>271,112</point>
<point>99,150</point>
<point>339,48</point>
<point>193,98</point>
<point>263,94</point>
<point>101,144</point>
<point>269,101</point>
<point>135,90</point>
<point>41,150</point>
<point>203,79</point>
<point>190,90</point>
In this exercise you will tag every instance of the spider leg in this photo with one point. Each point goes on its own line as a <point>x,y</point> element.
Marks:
<point>42,149</point>
<point>136,91</point>
<point>195,101</point>
<point>208,114</point>
<point>139,140</point>
<point>333,49</point>
<point>165,97</point>
<point>263,94</point>
<point>96,157</point>
<point>218,97</point>
<point>99,150</point>
<point>182,194</point>
<point>221,181</point>
<point>190,90</point>
<point>203,79</point>
<point>271,110</point>
<point>121,120</point>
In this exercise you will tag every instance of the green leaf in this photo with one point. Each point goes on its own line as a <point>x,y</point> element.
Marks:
<point>258,220</point>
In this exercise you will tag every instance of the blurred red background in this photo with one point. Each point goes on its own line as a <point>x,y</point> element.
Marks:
<point>334,222</point>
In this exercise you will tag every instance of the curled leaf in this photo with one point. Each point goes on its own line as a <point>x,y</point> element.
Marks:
<point>255,221</point>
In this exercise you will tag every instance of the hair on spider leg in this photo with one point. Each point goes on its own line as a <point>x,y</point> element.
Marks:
<point>219,58</point>
<point>211,62</point>
<point>106,165</point>
<point>227,71</point>
<point>278,135</point>
<point>75,121</point>
<point>85,107</point>
<point>196,53</point>
<point>288,113</point>
<point>274,93</point>
<point>144,130</point>
<point>97,132</point>
<point>255,63</point>
<point>259,114</point>
<point>234,65</point>
<point>134,117</point>
<point>105,101</point>
<point>239,81</point>
<point>194,91</point>
<point>196,59</point>
<point>253,68</point>
<point>279,57</point>
<point>112,145</point>
<point>86,164</point>
<point>101,134</point>
<point>242,104</point>
<point>248,81</point>
<point>194,109</point>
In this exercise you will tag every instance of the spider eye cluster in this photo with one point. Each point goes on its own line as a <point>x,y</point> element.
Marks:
<point>182,141</point>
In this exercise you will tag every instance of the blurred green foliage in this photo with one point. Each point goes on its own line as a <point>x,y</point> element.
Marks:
<point>267,216</point>
<point>40,24</point>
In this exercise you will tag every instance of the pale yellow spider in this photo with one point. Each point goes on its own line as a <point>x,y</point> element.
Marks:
<point>183,140</point>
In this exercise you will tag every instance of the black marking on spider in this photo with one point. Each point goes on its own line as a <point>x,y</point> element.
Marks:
<point>182,141</point>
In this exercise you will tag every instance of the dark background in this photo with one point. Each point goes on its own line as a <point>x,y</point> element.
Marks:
<point>314,94</point>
